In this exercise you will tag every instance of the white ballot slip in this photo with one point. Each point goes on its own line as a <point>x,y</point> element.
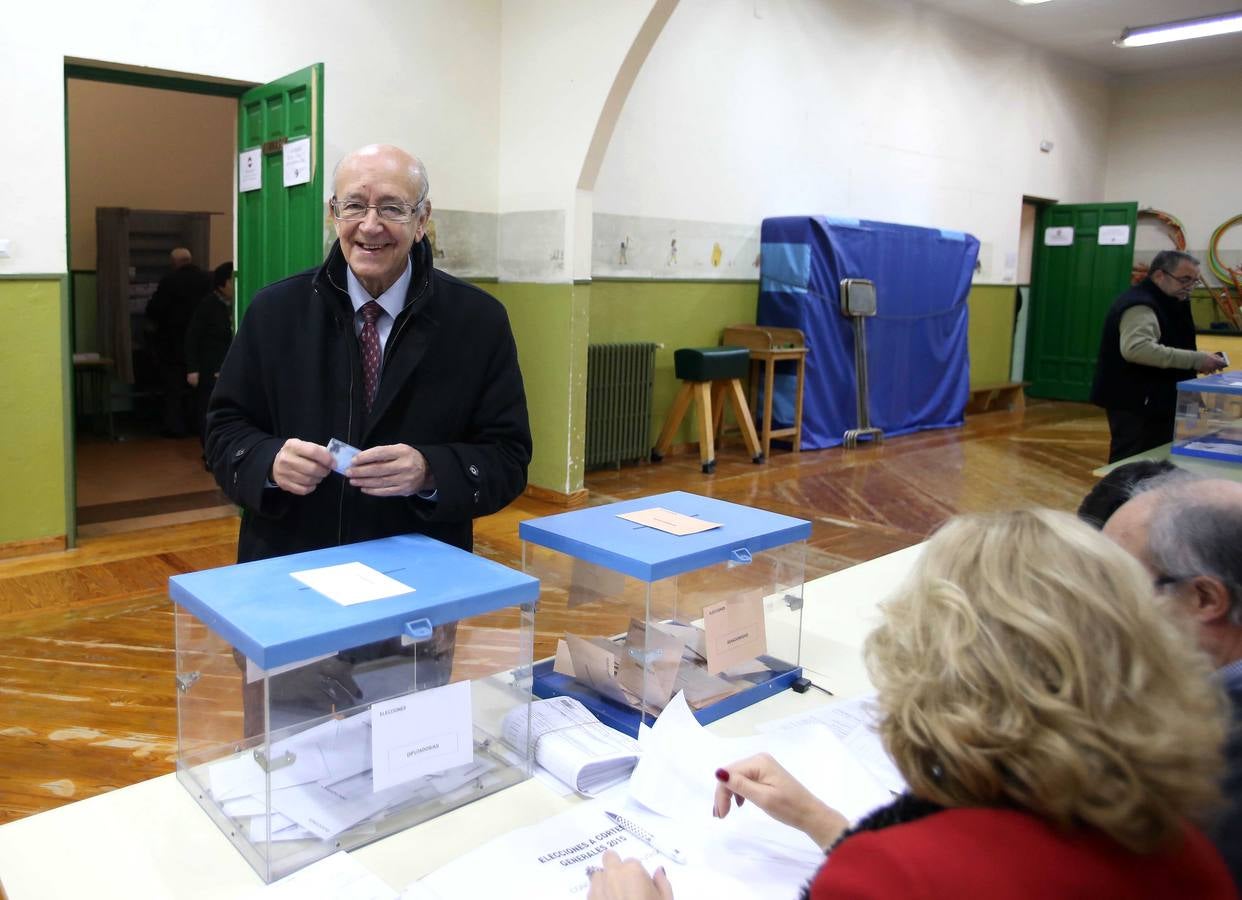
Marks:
<point>854,722</point>
<point>421,734</point>
<point>668,521</point>
<point>350,583</point>
<point>342,455</point>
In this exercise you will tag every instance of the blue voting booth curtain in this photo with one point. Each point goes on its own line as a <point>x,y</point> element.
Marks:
<point>919,369</point>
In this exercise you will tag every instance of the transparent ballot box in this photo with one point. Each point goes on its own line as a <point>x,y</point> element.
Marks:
<point>330,698</point>
<point>673,593</point>
<point>1209,417</point>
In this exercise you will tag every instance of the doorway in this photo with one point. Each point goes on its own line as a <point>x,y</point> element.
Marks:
<point>150,168</point>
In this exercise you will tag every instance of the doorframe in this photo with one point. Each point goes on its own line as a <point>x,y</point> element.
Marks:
<point>1022,326</point>
<point>133,76</point>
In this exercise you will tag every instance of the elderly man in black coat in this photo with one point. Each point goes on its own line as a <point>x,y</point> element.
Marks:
<point>379,349</point>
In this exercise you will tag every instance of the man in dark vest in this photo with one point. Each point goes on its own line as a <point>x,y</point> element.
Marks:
<point>1147,347</point>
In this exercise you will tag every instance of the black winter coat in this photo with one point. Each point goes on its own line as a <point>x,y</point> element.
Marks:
<point>450,387</point>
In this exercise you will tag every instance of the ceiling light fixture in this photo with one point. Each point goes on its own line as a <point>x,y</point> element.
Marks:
<point>1183,30</point>
<point>1027,2</point>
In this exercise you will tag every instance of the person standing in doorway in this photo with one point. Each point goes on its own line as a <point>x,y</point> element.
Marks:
<point>169,311</point>
<point>207,340</point>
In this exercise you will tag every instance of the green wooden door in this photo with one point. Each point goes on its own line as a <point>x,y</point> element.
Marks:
<point>279,229</point>
<point>1074,281</point>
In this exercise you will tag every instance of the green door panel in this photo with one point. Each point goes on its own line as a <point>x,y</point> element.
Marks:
<point>280,229</point>
<point>1071,290</point>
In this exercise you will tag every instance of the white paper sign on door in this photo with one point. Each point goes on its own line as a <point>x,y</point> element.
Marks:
<point>250,170</point>
<point>1114,235</point>
<point>297,162</point>
<point>1058,237</point>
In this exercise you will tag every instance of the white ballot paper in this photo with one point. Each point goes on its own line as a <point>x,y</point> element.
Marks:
<point>421,733</point>
<point>572,744</point>
<point>854,722</point>
<point>350,583</point>
<point>549,860</point>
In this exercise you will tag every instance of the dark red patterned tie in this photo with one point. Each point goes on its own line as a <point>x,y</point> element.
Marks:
<point>371,354</point>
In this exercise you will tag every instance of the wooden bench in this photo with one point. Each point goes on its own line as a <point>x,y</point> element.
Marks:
<point>989,397</point>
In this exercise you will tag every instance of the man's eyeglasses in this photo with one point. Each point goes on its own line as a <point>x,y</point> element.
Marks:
<point>1183,280</point>
<point>393,211</point>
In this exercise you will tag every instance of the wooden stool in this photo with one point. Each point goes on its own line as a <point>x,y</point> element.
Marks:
<point>709,373</point>
<point>769,345</point>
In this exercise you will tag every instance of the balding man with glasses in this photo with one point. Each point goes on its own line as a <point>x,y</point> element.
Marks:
<point>1147,347</point>
<point>378,349</point>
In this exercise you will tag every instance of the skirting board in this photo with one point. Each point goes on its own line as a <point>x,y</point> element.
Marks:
<point>547,495</point>
<point>32,547</point>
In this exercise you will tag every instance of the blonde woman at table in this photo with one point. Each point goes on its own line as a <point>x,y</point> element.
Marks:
<point>1056,727</point>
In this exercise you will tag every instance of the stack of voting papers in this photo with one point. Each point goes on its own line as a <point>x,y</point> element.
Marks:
<point>572,745</point>
<point>670,795</point>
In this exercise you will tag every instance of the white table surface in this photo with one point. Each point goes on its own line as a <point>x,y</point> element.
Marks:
<point>151,839</point>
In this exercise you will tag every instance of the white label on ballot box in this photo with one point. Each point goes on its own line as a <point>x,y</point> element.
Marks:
<point>351,583</point>
<point>667,520</point>
<point>421,734</point>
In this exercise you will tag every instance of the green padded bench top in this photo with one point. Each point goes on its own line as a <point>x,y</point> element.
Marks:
<point>711,363</point>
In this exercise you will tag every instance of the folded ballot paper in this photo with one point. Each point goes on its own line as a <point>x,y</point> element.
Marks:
<point>650,664</point>
<point>572,744</point>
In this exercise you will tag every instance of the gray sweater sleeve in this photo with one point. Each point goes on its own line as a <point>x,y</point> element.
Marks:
<point>1140,343</point>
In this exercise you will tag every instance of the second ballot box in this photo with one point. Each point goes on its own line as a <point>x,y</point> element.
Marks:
<point>673,593</point>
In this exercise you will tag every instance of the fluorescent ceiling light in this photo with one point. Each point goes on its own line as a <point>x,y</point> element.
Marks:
<point>1027,2</point>
<point>1183,30</point>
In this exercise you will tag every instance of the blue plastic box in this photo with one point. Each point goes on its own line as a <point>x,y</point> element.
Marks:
<point>606,581</point>
<point>311,720</point>
<point>1209,418</point>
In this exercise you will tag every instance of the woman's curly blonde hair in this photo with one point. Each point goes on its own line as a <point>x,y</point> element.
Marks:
<point>1027,662</point>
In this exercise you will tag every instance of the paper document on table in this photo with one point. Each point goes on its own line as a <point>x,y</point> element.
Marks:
<point>668,521</point>
<point>421,733</point>
<point>673,776</point>
<point>350,583</point>
<point>572,744</point>
<point>854,722</point>
<point>549,860</point>
<point>336,877</point>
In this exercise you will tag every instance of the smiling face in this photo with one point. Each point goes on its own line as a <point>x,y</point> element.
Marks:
<point>376,250</point>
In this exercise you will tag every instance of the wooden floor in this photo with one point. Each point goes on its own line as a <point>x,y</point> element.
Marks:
<point>86,672</point>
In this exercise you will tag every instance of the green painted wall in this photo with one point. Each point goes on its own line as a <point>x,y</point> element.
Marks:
<point>550,327</point>
<point>990,332</point>
<point>694,313</point>
<point>675,314</point>
<point>34,494</point>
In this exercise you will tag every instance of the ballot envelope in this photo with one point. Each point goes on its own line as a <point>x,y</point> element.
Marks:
<point>1209,418</point>
<point>330,698</point>
<point>667,594</point>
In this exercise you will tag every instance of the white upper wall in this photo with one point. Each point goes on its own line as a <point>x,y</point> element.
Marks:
<point>878,109</point>
<point>1176,144</point>
<point>418,73</point>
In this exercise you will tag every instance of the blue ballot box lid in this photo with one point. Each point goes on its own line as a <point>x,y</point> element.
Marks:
<point>597,536</point>
<point>1220,383</point>
<point>274,619</point>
